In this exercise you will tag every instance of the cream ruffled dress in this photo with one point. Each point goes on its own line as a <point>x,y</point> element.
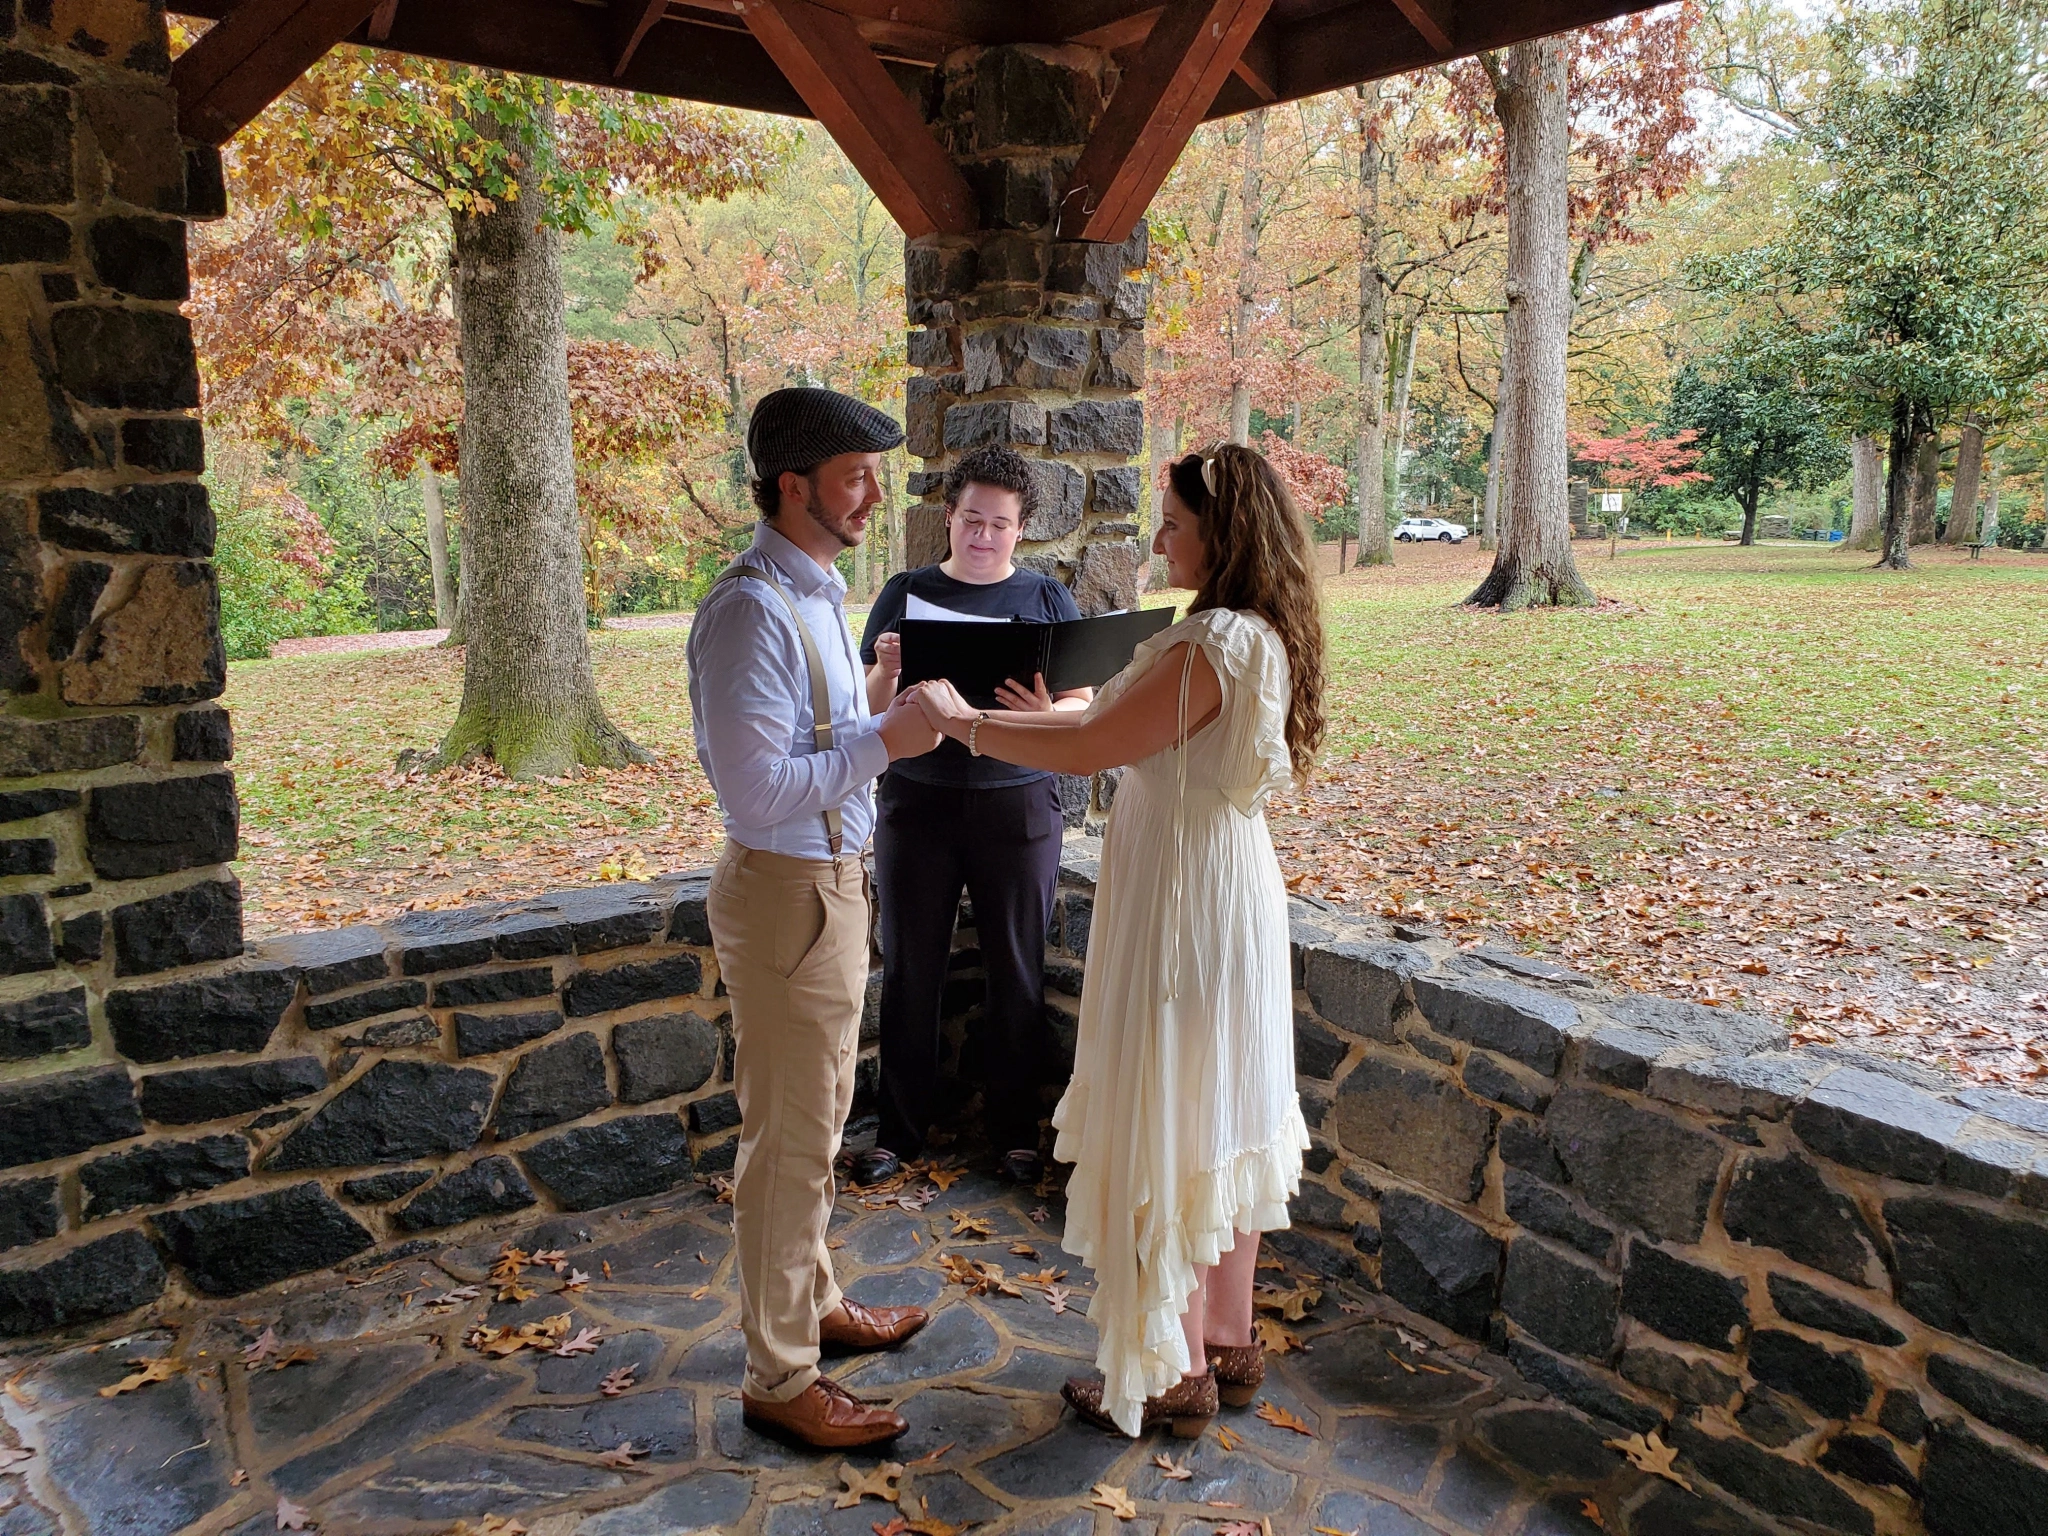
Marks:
<point>1182,1118</point>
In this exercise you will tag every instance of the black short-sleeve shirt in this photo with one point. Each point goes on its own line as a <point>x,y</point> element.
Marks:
<point>1023,595</point>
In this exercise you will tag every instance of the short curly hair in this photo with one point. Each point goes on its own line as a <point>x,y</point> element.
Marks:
<point>995,465</point>
<point>768,493</point>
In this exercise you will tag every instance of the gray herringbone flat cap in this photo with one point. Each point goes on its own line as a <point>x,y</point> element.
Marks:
<point>801,428</point>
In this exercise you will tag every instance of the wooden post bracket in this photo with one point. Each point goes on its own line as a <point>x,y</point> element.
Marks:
<point>1190,52</point>
<point>824,56</point>
<point>252,57</point>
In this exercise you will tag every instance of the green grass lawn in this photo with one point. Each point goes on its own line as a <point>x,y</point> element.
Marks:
<point>1770,777</point>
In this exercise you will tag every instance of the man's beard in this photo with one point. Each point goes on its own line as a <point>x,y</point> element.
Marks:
<point>839,526</point>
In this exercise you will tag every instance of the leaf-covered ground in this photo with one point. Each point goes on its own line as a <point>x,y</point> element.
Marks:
<point>1772,778</point>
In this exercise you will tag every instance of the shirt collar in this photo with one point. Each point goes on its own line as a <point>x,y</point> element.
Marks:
<point>799,569</point>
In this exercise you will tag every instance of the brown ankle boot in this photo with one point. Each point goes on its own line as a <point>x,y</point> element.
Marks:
<point>1239,1368</point>
<point>1188,1405</point>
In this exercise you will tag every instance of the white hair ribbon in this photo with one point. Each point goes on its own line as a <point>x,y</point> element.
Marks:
<point>1209,475</point>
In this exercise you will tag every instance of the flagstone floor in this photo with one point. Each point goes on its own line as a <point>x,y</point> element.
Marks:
<point>372,1411</point>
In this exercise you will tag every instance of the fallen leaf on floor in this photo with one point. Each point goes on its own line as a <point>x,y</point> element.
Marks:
<point>1591,1511</point>
<point>1244,1528</point>
<point>13,1390</point>
<point>513,1337</point>
<point>238,1477</point>
<point>298,1354</point>
<point>624,1458</point>
<point>459,1294</point>
<point>577,1281</point>
<point>1400,1362</point>
<point>1280,1418</point>
<point>292,1517</point>
<point>1652,1456</point>
<point>1112,1498</point>
<point>1293,1305</point>
<point>895,1527</point>
<point>1043,1277</point>
<point>585,1343</point>
<point>931,1456</point>
<point>878,1484</point>
<point>1227,1438</point>
<point>490,1525</point>
<point>835,1244</point>
<point>551,1256</point>
<point>10,1456</point>
<point>1024,1250</point>
<point>1040,1213</point>
<point>1276,1339</point>
<point>932,1525</point>
<point>700,1293</point>
<point>971,1226</point>
<point>945,1178</point>
<point>619,1381</point>
<point>1174,1472</point>
<point>1331,1530</point>
<point>1056,1296</point>
<point>607,1269</point>
<point>266,1345</point>
<point>163,1368</point>
<point>516,1291</point>
<point>978,1275</point>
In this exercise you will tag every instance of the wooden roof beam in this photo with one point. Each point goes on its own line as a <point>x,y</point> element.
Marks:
<point>1259,65</point>
<point>1183,62</point>
<point>252,57</point>
<point>822,54</point>
<point>381,19</point>
<point>1435,21</point>
<point>632,20</point>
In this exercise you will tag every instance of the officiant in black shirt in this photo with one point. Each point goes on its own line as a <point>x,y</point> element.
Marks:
<point>949,820</point>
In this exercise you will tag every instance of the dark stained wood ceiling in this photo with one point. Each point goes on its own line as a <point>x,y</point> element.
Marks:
<point>857,66</point>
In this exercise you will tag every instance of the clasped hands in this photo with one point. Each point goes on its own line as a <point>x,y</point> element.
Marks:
<point>923,712</point>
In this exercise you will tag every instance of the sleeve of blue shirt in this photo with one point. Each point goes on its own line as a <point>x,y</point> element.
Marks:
<point>883,616</point>
<point>750,673</point>
<point>1060,602</point>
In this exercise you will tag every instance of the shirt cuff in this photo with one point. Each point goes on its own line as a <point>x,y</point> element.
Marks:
<point>869,755</point>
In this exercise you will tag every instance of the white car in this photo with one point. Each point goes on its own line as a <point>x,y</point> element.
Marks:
<point>1413,528</point>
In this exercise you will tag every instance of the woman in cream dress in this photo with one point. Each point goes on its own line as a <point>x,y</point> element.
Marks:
<point>1182,1119</point>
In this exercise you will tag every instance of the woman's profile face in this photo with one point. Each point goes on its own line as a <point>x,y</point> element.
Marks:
<point>1179,539</point>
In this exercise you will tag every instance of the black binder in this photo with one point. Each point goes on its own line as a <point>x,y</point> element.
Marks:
<point>1073,653</point>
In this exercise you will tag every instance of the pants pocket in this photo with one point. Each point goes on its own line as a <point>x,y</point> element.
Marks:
<point>799,928</point>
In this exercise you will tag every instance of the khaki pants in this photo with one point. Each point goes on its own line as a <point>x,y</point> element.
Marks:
<point>791,936</point>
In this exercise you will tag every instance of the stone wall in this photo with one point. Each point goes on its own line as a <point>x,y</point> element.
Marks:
<point>1821,1276</point>
<point>1024,339</point>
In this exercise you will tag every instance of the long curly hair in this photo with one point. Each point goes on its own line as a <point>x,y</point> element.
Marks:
<point>1261,561</point>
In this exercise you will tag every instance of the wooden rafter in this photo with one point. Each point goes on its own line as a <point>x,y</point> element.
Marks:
<point>1259,65</point>
<point>260,47</point>
<point>381,19</point>
<point>633,20</point>
<point>822,54</point>
<point>1184,61</point>
<point>1435,21</point>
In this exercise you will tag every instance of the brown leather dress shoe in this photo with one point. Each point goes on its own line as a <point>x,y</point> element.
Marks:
<point>824,1415</point>
<point>856,1327</point>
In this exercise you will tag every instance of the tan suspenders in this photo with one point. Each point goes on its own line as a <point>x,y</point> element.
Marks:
<point>821,695</point>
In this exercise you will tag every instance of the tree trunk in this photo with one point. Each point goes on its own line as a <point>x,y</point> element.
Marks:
<point>1404,383</point>
<point>1751,493</point>
<point>1987,531</point>
<point>1926,486</point>
<point>465,578</point>
<point>437,546</point>
<point>529,697</point>
<point>1866,491</point>
<point>1962,501</point>
<point>1374,547</point>
<point>1533,566</point>
<point>1165,447</point>
<point>1911,423</point>
<point>1251,223</point>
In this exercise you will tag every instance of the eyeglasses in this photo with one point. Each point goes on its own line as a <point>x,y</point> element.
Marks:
<point>981,525</point>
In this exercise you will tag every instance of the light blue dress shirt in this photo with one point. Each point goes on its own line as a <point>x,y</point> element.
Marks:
<point>750,704</point>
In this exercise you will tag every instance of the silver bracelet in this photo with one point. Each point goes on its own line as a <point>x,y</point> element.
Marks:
<point>973,730</point>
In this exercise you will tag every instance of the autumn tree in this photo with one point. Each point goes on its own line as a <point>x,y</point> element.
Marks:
<point>1584,129</point>
<point>375,165</point>
<point>1909,279</point>
<point>1756,428</point>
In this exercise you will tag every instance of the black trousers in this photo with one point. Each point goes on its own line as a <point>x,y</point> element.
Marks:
<point>1003,846</point>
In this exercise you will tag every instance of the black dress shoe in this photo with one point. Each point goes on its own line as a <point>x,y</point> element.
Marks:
<point>874,1166</point>
<point>1022,1166</point>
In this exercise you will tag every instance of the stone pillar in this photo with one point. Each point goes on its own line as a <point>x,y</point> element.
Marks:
<point>117,818</point>
<point>1025,339</point>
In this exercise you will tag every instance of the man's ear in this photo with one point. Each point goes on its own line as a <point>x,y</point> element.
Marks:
<point>793,485</point>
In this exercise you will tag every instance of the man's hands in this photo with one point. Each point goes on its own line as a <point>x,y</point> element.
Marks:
<point>906,731</point>
<point>943,707</point>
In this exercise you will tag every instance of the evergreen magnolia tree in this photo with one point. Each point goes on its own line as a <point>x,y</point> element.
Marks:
<point>1912,275</point>
<point>355,170</point>
<point>1755,428</point>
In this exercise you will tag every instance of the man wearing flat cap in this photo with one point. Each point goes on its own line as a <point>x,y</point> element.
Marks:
<point>779,702</point>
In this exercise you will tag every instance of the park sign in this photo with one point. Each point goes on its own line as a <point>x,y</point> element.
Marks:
<point>860,66</point>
